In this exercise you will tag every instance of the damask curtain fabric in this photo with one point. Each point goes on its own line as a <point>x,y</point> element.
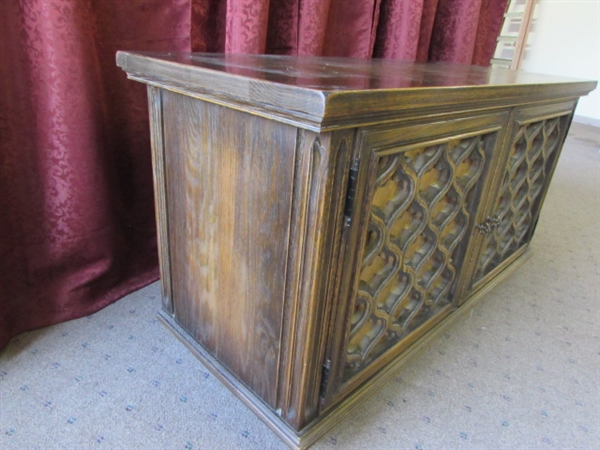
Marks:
<point>462,31</point>
<point>77,225</point>
<point>77,221</point>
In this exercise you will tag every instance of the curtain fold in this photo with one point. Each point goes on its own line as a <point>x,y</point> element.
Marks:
<point>77,227</point>
<point>77,221</point>
<point>462,31</point>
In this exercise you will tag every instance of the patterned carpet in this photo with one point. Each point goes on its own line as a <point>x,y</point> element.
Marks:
<point>521,372</point>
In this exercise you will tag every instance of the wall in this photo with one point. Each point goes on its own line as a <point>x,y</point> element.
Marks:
<point>565,40</point>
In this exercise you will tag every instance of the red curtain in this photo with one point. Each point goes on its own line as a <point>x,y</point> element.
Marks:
<point>77,225</point>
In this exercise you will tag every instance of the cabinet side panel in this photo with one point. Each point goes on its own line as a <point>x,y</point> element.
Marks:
<point>230,178</point>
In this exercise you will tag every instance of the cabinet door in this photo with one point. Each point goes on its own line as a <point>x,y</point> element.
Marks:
<point>533,148</point>
<point>417,193</point>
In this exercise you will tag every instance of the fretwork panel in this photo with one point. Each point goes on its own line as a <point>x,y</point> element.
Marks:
<point>532,156</point>
<point>414,245</point>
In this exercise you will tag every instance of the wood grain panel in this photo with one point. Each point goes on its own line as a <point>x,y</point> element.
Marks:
<point>230,180</point>
<point>331,93</point>
<point>321,179</point>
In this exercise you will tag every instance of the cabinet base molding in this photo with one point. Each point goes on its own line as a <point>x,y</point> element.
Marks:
<point>251,400</point>
<point>325,423</point>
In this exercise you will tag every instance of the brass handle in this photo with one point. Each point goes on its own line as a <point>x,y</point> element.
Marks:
<point>490,224</point>
<point>483,228</point>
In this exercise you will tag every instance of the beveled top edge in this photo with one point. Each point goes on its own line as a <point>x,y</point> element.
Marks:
<point>310,89</point>
<point>332,74</point>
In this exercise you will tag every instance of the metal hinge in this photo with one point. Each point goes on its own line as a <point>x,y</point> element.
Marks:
<point>351,192</point>
<point>324,379</point>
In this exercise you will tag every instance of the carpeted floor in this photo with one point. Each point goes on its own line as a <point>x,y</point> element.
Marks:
<point>522,372</point>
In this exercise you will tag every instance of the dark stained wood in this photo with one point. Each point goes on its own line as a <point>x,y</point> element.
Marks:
<point>315,244</point>
<point>418,186</point>
<point>534,144</point>
<point>160,192</point>
<point>327,93</point>
<point>336,74</point>
<point>323,220</point>
<point>229,199</point>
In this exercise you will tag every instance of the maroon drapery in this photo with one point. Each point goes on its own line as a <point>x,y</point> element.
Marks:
<point>461,31</point>
<point>76,208</point>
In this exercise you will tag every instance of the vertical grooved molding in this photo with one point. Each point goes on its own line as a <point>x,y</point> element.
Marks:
<point>320,172</point>
<point>158,166</point>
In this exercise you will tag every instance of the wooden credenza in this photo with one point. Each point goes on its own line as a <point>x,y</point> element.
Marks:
<point>322,220</point>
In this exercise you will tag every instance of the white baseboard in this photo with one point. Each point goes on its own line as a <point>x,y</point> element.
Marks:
<point>587,120</point>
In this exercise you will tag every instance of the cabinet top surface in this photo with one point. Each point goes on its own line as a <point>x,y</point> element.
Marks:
<point>313,85</point>
<point>343,74</point>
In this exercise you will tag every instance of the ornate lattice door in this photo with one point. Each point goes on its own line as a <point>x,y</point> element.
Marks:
<point>533,151</point>
<point>413,218</point>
